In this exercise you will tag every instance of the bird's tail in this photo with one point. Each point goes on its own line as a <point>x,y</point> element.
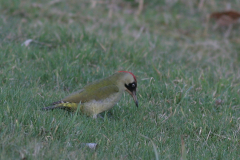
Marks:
<point>50,107</point>
<point>62,105</point>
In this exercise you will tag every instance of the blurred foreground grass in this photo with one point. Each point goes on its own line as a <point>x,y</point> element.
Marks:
<point>188,79</point>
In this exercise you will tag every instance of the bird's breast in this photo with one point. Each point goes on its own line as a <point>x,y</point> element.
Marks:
<point>95,107</point>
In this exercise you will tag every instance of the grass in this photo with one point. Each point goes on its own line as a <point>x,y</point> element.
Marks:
<point>188,80</point>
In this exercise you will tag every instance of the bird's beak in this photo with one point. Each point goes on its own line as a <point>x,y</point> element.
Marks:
<point>133,94</point>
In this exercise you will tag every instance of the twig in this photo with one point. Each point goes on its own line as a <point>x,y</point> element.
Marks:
<point>140,7</point>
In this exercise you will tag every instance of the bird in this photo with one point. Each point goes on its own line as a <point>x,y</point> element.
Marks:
<point>99,96</point>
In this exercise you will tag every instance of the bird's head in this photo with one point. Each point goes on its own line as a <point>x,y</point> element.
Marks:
<point>129,83</point>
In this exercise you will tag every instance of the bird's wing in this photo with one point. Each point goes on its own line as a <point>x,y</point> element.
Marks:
<point>86,95</point>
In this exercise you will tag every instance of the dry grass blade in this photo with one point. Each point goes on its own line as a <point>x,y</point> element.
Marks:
<point>28,41</point>
<point>154,147</point>
<point>140,7</point>
<point>183,150</point>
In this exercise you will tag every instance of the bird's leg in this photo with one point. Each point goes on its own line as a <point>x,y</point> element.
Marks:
<point>95,116</point>
<point>100,116</point>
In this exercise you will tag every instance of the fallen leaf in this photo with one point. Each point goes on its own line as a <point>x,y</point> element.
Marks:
<point>225,18</point>
<point>27,42</point>
<point>91,145</point>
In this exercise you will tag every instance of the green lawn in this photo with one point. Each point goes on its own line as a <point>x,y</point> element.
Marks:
<point>188,79</point>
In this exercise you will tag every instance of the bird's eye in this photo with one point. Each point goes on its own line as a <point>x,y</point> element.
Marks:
<point>133,85</point>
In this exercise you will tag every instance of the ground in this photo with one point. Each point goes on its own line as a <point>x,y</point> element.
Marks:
<point>187,71</point>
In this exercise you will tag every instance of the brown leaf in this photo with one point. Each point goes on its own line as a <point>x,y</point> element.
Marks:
<point>226,18</point>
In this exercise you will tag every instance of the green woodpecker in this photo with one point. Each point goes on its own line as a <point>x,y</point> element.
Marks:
<point>101,95</point>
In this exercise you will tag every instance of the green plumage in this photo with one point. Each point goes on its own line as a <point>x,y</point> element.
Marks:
<point>97,91</point>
